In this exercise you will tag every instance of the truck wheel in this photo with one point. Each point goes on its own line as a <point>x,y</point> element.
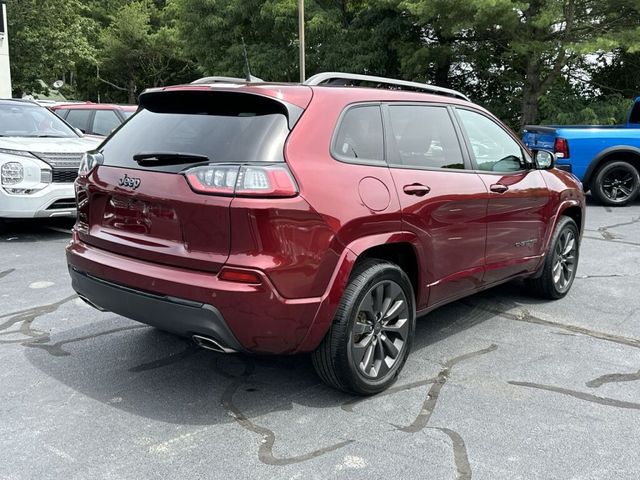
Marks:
<point>560,264</point>
<point>616,183</point>
<point>372,331</point>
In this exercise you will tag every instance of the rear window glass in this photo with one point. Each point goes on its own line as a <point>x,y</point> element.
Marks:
<point>215,126</point>
<point>105,122</point>
<point>79,119</point>
<point>424,137</point>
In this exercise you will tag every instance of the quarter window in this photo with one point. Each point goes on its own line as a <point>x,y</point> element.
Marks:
<point>359,136</point>
<point>493,149</point>
<point>424,137</point>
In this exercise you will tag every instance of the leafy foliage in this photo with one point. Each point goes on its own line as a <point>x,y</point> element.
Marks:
<point>526,60</point>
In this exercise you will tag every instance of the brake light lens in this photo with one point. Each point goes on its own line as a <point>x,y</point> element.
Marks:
<point>213,179</point>
<point>561,147</point>
<point>245,180</point>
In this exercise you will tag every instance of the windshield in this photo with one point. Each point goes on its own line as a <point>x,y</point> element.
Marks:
<point>33,121</point>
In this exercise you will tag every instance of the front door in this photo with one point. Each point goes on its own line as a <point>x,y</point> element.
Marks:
<point>518,197</point>
<point>443,202</point>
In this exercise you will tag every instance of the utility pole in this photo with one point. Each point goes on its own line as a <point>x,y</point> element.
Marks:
<point>5,67</point>
<point>301,37</point>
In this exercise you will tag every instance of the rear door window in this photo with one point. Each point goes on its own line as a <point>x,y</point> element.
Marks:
<point>224,127</point>
<point>105,121</point>
<point>424,137</point>
<point>79,119</point>
<point>359,137</point>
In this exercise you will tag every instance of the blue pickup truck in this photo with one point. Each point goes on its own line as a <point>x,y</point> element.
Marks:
<point>606,159</point>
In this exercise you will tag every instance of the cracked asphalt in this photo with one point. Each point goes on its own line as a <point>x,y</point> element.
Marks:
<point>499,385</point>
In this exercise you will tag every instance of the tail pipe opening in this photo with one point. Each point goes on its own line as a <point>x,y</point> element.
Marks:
<point>211,344</point>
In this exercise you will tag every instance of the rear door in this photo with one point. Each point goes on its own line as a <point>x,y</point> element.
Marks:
<point>518,196</point>
<point>443,202</point>
<point>147,209</point>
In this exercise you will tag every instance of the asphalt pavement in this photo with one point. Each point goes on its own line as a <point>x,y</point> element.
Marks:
<point>498,386</point>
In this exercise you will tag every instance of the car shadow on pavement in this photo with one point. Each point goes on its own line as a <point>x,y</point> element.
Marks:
<point>157,375</point>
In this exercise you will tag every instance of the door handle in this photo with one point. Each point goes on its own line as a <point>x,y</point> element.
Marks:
<point>498,188</point>
<point>416,189</point>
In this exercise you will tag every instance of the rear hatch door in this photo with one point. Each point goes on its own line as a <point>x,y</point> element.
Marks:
<point>137,202</point>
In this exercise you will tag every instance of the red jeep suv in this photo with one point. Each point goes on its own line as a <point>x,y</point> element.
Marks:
<point>322,217</point>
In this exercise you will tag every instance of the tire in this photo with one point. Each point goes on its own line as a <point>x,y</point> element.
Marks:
<point>377,290</point>
<point>547,284</point>
<point>616,184</point>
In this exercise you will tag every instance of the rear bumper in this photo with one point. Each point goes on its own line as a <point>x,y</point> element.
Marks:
<point>42,204</point>
<point>160,311</point>
<point>191,302</point>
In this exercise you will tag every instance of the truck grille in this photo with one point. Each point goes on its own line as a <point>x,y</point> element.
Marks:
<point>64,175</point>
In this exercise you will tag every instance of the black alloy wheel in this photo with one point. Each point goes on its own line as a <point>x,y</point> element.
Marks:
<point>616,183</point>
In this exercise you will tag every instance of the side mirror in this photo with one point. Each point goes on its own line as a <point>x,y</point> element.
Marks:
<point>544,159</point>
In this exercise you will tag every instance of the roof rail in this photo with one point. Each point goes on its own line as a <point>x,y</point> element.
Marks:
<point>207,80</point>
<point>347,79</point>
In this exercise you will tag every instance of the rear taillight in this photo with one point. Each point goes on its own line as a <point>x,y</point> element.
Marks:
<point>88,162</point>
<point>245,180</point>
<point>561,148</point>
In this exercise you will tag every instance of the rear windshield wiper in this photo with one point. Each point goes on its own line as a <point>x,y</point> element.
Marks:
<point>167,158</point>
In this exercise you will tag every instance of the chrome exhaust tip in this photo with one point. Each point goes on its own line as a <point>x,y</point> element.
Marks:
<point>91,304</point>
<point>211,344</point>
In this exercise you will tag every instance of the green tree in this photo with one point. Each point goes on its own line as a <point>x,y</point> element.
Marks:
<point>515,48</point>
<point>48,38</point>
<point>140,48</point>
<point>356,36</point>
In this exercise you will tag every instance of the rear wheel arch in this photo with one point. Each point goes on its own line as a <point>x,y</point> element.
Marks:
<point>402,254</point>
<point>613,154</point>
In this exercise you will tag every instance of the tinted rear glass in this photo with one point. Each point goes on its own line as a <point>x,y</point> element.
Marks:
<point>224,128</point>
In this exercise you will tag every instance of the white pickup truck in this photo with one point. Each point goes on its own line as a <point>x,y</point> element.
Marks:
<point>39,159</point>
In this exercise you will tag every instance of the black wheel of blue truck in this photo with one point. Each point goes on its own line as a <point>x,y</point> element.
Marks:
<point>616,183</point>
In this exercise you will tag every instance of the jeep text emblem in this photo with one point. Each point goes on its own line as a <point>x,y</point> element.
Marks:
<point>129,182</point>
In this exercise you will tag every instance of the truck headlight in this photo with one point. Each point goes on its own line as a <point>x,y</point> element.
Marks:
<point>11,173</point>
